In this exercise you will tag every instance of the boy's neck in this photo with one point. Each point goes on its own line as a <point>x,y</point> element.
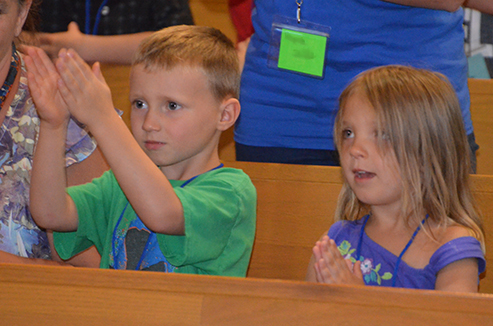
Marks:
<point>184,171</point>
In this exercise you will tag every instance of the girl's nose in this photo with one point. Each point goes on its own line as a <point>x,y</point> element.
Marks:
<point>358,148</point>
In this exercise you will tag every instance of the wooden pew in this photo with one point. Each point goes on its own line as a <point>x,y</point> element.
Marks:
<point>481,91</point>
<point>47,295</point>
<point>118,79</point>
<point>301,200</point>
<point>296,205</point>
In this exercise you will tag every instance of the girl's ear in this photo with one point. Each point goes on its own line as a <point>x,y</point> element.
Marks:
<point>230,110</point>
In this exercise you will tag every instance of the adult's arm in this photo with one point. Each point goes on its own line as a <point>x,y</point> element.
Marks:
<point>6,257</point>
<point>485,6</point>
<point>447,5</point>
<point>117,49</point>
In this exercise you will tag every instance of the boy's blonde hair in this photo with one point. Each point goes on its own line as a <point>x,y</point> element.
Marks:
<point>197,46</point>
<point>420,116</point>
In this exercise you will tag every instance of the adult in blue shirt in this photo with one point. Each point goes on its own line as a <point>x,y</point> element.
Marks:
<point>288,117</point>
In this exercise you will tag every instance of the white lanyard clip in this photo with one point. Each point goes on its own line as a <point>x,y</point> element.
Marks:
<point>298,12</point>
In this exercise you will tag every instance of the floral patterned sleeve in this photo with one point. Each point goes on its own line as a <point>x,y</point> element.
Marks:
<point>19,234</point>
<point>79,144</point>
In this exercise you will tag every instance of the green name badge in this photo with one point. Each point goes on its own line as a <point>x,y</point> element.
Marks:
<point>302,52</point>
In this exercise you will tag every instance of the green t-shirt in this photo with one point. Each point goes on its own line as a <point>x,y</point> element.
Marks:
<point>220,215</point>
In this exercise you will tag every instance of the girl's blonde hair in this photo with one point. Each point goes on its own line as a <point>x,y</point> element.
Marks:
<point>420,114</point>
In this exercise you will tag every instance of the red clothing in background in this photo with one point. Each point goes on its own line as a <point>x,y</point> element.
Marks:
<point>241,16</point>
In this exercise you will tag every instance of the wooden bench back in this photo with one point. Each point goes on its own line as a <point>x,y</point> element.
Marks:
<point>47,295</point>
<point>481,91</point>
<point>296,205</point>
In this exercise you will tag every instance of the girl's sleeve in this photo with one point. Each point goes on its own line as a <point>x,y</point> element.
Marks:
<point>457,249</point>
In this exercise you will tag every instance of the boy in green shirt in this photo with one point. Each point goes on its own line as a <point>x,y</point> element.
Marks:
<point>167,204</point>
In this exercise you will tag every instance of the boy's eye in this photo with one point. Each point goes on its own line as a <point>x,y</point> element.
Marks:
<point>138,104</point>
<point>347,133</point>
<point>173,106</point>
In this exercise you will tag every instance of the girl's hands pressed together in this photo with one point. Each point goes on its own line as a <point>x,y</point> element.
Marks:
<point>332,268</point>
<point>43,78</point>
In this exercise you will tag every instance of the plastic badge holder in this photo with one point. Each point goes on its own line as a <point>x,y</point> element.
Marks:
<point>298,47</point>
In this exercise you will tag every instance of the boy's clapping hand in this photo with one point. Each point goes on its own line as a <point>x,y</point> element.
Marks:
<point>77,81</point>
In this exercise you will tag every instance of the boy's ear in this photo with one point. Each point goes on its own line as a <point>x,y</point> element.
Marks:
<point>230,110</point>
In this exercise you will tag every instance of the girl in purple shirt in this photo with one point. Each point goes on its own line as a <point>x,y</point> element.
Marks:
<point>406,215</point>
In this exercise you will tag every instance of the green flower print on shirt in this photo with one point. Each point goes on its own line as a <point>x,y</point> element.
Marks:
<point>370,274</point>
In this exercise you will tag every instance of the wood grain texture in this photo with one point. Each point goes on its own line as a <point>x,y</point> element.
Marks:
<point>41,295</point>
<point>481,91</point>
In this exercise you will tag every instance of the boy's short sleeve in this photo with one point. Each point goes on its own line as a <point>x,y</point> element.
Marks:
<point>220,217</point>
<point>91,200</point>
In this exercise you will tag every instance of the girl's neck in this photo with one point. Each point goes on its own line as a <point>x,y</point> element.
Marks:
<point>390,219</point>
<point>386,215</point>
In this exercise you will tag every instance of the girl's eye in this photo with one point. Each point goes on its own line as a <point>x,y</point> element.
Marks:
<point>173,106</point>
<point>383,135</point>
<point>138,104</point>
<point>347,133</point>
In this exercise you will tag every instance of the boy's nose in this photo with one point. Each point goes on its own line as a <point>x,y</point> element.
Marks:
<point>151,122</point>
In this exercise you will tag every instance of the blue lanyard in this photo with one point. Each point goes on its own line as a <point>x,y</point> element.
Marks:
<point>399,259</point>
<point>149,240</point>
<point>98,17</point>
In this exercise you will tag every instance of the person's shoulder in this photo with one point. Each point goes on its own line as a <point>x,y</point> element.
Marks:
<point>453,232</point>
<point>225,180</point>
<point>456,242</point>
<point>235,177</point>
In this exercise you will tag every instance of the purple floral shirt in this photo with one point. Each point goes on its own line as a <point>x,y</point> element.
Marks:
<point>377,263</point>
<point>19,234</point>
